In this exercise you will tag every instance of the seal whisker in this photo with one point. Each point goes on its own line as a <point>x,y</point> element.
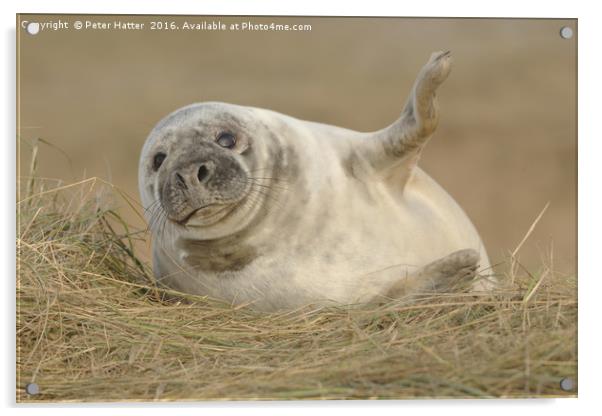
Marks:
<point>150,209</point>
<point>152,205</point>
<point>260,169</point>
<point>153,217</point>
<point>268,178</point>
<point>270,184</point>
<point>154,221</point>
<point>272,181</point>
<point>254,201</point>
<point>155,210</point>
<point>257,194</point>
<point>163,224</point>
<point>267,187</point>
<point>253,198</point>
<point>158,218</point>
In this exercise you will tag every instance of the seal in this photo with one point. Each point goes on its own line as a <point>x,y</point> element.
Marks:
<point>256,207</point>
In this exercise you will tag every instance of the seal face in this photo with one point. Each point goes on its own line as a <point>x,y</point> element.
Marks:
<point>253,206</point>
<point>199,170</point>
<point>199,184</point>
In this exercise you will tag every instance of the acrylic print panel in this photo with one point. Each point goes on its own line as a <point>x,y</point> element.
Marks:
<point>245,248</point>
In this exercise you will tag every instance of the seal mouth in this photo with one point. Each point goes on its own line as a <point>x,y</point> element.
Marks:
<point>206,215</point>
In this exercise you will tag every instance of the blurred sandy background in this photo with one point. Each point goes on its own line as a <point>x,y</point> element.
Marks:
<point>506,144</point>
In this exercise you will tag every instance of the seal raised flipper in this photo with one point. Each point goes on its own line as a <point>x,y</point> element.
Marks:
<point>393,152</point>
<point>441,276</point>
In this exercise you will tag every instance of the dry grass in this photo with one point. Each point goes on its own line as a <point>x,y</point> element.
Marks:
<point>92,327</point>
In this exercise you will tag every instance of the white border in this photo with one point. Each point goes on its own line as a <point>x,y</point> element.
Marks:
<point>590,207</point>
<point>508,8</point>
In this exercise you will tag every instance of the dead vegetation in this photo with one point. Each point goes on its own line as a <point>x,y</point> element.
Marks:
<point>91,326</point>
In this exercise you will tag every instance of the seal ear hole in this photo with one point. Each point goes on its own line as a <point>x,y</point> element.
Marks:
<point>158,160</point>
<point>227,140</point>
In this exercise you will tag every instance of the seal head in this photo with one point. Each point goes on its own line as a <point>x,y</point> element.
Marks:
<point>199,170</point>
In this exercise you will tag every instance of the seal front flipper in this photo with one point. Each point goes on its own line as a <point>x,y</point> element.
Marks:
<point>444,275</point>
<point>393,152</point>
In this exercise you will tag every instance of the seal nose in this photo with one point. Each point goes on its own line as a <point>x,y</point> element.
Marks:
<point>203,173</point>
<point>180,182</point>
<point>187,177</point>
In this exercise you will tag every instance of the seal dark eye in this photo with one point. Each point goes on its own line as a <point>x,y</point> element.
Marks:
<point>226,140</point>
<point>158,160</point>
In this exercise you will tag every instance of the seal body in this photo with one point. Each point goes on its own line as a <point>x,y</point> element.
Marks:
<point>252,206</point>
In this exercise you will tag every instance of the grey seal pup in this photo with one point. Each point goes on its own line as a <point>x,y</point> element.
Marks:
<point>256,207</point>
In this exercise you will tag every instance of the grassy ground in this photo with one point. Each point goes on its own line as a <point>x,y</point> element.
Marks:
<point>92,327</point>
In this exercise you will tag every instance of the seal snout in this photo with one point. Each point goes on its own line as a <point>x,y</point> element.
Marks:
<point>196,189</point>
<point>183,179</point>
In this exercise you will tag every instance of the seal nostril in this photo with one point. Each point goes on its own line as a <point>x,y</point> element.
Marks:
<point>180,181</point>
<point>203,172</point>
